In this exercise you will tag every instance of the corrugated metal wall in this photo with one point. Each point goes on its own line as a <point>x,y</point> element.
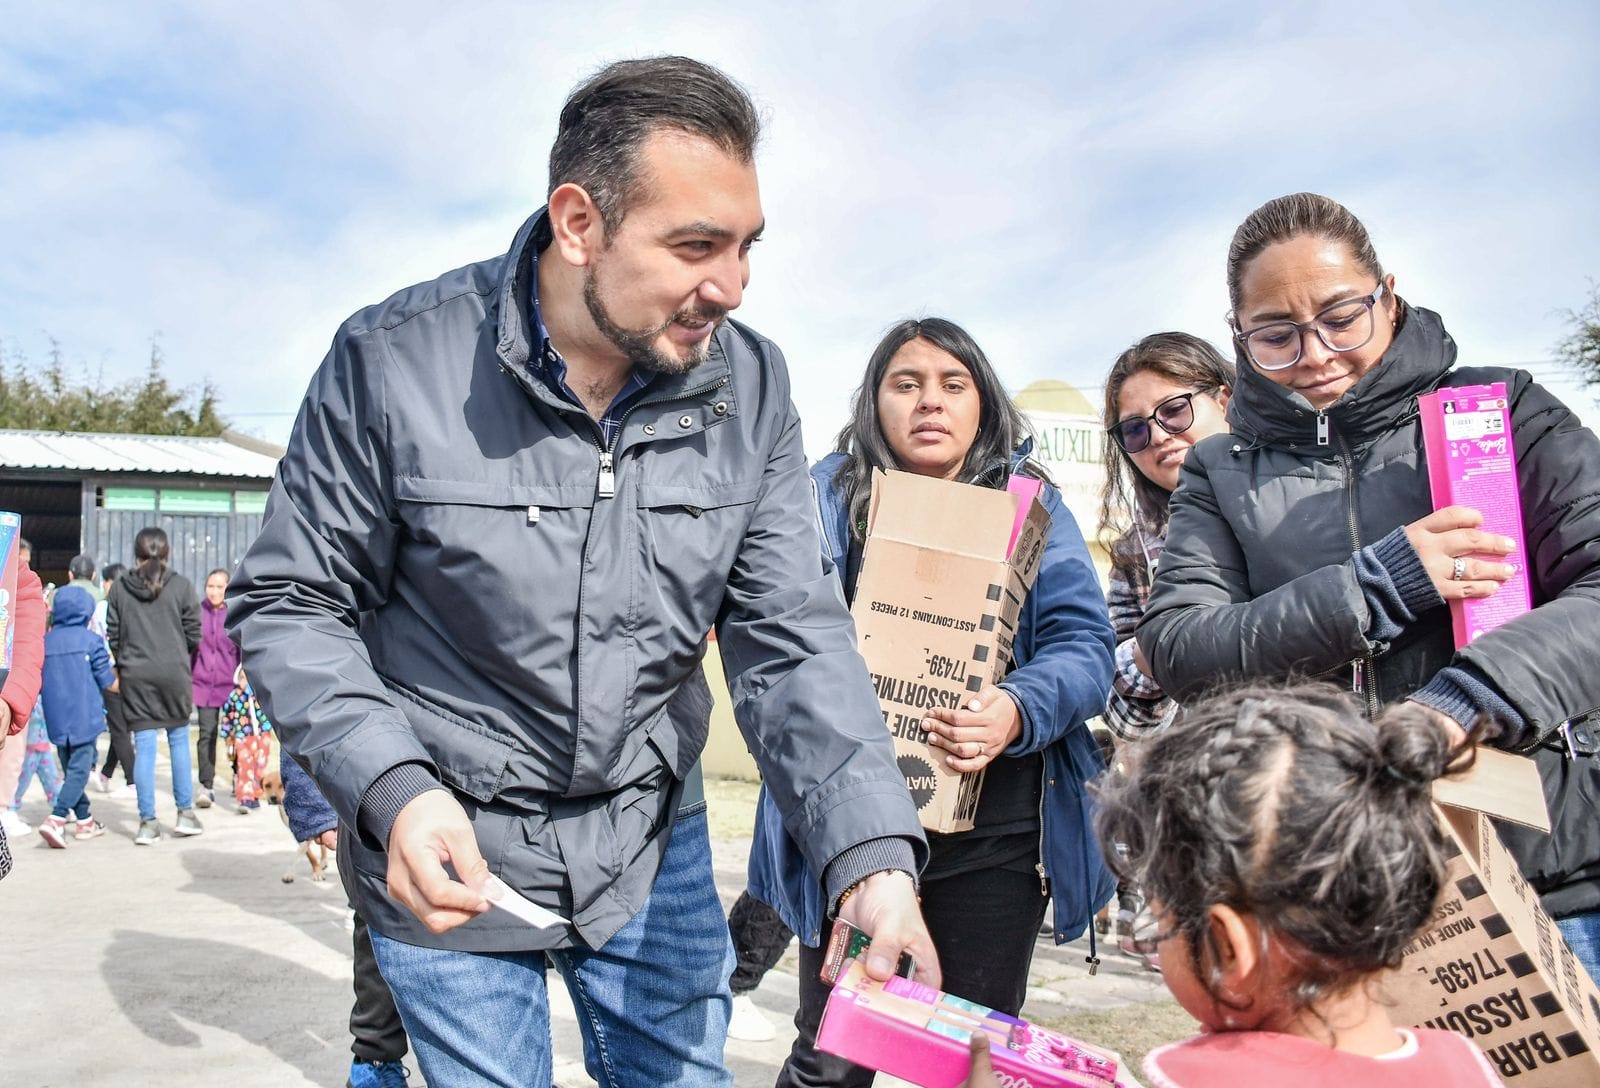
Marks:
<point>200,542</point>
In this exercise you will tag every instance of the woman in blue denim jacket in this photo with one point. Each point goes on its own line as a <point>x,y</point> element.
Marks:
<point>931,403</point>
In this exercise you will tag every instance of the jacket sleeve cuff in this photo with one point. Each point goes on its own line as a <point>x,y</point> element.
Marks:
<point>1395,584</point>
<point>1461,693</point>
<point>390,792</point>
<point>861,861</point>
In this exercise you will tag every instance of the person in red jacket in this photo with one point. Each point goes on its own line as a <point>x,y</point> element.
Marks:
<point>21,686</point>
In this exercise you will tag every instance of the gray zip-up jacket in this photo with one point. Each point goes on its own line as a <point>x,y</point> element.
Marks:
<point>453,573</point>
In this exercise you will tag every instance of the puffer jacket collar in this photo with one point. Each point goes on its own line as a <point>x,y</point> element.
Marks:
<point>1422,353</point>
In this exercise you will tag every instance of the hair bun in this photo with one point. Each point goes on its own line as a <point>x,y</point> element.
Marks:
<point>1411,748</point>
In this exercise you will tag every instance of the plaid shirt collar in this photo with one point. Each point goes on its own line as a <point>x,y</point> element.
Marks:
<point>547,363</point>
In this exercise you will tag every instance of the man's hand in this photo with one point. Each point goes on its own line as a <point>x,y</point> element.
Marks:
<point>432,829</point>
<point>330,839</point>
<point>982,1073</point>
<point>884,907</point>
<point>978,731</point>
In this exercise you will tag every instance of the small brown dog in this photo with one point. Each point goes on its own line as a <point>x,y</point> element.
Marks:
<point>312,850</point>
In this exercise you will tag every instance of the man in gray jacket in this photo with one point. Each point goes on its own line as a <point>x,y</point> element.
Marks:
<point>515,500</point>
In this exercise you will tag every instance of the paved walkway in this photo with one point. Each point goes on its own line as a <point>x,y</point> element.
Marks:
<point>193,963</point>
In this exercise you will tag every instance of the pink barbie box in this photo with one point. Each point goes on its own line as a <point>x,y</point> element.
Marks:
<point>1466,433</point>
<point>921,1035</point>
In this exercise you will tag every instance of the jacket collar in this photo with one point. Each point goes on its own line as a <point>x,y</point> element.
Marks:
<point>1421,354</point>
<point>516,328</point>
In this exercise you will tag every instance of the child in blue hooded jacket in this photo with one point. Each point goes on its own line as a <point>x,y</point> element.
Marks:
<point>76,669</point>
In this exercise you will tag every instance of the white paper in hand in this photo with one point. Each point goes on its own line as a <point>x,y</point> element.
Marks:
<point>498,893</point>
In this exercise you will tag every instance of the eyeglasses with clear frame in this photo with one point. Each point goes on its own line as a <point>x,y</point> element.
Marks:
<point>1344,326</point>
<point>1174,415</point>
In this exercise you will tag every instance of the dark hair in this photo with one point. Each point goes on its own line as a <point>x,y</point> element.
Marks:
<point>150,552</point>
<point>224,571</point>
<point>1127,493</point>
<point>1001,427</point>
<point>82,567</point>
<point>111,572</point>
<point>1289,217</point>
<point>608,117</point>
<point>1286,802</point>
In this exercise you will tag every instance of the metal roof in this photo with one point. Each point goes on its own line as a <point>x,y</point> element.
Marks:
<point>60,451</point>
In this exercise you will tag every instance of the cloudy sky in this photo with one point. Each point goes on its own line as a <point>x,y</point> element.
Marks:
<point>1062,179</point>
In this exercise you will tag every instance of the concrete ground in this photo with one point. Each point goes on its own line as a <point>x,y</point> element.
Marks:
<point>193,963</point>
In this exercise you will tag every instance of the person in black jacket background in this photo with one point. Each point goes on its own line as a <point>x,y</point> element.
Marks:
<point>153,626</point>
<point>1307,543</point>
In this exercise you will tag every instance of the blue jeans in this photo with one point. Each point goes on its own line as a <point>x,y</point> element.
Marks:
<point>1582,933</point>
<point>652,1004</point>
<point>79,760</point>
<point>144,768</point>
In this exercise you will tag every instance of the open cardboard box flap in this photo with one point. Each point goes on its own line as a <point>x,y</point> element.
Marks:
<point>1497,784</point>
<point>915,510</point>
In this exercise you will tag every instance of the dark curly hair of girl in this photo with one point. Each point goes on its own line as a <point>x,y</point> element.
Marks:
<point>1287,803</point>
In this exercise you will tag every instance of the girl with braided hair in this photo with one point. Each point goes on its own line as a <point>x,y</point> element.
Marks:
<point>1292,854</point>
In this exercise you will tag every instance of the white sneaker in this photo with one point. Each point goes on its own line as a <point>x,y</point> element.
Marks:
<point>15,825</point>
<point>748,1022</point>
<point>100,782</point>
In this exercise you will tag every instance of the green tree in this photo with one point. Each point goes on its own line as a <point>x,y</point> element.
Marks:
<point>53,398</point>
<point>1580,348</point>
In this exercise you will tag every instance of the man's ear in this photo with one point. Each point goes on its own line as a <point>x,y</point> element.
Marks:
<point>575,224</point>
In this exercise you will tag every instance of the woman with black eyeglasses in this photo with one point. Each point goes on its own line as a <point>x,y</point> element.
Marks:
<point>1307,544</point>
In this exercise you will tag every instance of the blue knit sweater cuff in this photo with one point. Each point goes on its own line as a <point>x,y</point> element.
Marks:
<point>864,859</point>
<point>390,792</point>
<point>1395,584</point>
<point>1462,693</point>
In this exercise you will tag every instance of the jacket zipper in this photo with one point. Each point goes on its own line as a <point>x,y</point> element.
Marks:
<point>1363,674</point>
<point>606,484</point>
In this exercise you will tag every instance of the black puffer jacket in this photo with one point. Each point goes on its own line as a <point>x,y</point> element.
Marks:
<point>1258,578</point>
<point>152,636</point>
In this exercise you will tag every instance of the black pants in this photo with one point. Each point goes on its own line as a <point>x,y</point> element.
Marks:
<point>759,940</point>
<point>983,925</point>
<point>120,751</point>
<point>205,744</point>
<point>376,1034</point>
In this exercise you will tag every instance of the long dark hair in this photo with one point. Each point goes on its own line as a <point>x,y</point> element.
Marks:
<point>1001,428</point>
<point>150,553</point>
<point>1128,493</point>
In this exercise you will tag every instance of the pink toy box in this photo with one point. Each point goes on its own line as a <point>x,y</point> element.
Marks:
<point>1466,433</point>
<point>921,1035</point>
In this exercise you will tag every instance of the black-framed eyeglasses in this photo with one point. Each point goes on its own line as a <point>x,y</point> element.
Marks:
<point>1174,415</point>
<point>1344,326</point>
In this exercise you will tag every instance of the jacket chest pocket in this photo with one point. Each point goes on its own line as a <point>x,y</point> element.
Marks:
<point>690,534</point>
<point>488,536</point>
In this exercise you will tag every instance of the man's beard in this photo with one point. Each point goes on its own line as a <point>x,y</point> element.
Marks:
<point>640,347</point>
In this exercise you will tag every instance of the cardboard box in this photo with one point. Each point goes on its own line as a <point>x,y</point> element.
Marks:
<point>921,1035</point>
<point>1491,964</point>
<point>944,573</point>
<point>10,537</point>
<point>1466,433</point>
